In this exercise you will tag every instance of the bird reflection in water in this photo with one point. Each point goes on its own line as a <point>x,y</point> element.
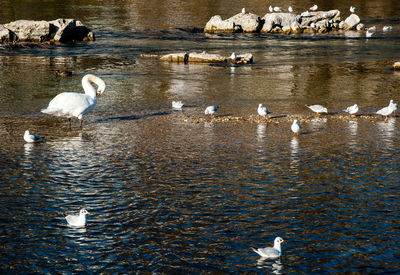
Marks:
<point>275,265</point>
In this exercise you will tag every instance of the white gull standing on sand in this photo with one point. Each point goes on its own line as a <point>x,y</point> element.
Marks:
<point>271,252</point>
<point>77,220</point>
<point>29,137</point>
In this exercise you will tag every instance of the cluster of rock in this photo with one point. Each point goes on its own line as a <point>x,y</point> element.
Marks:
<point>281,22</point>
<point>203,57</point>
<point>59,30</point>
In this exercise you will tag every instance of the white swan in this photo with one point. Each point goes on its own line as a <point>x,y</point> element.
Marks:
<point>271,252</point>
<point>77,104</point>
<point>77,220</point>
<point>29,137</point>
<point>296,128</point>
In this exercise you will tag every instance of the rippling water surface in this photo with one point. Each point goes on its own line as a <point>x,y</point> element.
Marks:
<point>175,192</point>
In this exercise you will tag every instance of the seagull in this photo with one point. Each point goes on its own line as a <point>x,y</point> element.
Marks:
<point>352,9</point>
<point>210,110</point>
<point>305,13</point>
<point>394,105</point>
<point>243,10</point>
<point>77,220</point>
<point>359,27</point>
<point>28,137</point>
<point>387,111</point>
<point>372,29</point>
<point>77,104</point>
<point>233,56</point>
<point>387,28</point>
<point>290,9</point>
<point>368,33</point>
<point>313,25</point>
<point>271,9</point>
<point>277,9</point>
<point>314,8</point>
<point>271,252</point>
<point>262,110</point>
<point>317,109</point>
<point>352,110</point>
<point>177,105</point>
<point>296,128</point>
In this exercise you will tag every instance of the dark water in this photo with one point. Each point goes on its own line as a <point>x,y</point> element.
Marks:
<point>173,192</point>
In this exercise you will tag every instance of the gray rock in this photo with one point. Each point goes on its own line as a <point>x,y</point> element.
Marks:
<point>314,17</point>
<point>202,57</point>
<point>29,30</point>
<point>351,22</point>
<point>280,22</point>
<point>247,22</point>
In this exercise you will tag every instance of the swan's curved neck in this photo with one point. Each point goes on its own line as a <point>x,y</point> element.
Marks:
<point>87,81</point>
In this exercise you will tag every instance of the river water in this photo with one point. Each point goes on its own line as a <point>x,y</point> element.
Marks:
<point>173,192</point>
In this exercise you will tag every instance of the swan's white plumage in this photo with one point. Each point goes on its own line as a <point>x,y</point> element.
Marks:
<point>76,104</point>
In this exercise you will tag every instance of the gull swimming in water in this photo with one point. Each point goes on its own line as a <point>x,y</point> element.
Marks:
<point>317,109</point>
<point>352,110</point>
<point>177,105</point>
<point>210,110</point>
<point>387,111</point>
<point>387,28</point>
<point>29,137</point>
<point>262,110</point>
<point>271,252</point>
<point>290,9</point>
<point>314,8</point>
<point>296,128</point>
<point>352,9</point>
<point>77,220</point>
<point>77,104</point>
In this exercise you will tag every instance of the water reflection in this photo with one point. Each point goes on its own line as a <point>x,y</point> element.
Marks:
<point>294,155</point>
<point>274,265</point>
<point>387,131</point>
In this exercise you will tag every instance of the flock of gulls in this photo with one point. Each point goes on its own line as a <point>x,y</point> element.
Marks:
<point>370,31</point>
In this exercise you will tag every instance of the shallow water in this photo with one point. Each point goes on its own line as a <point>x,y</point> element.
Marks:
<point>178,192</point>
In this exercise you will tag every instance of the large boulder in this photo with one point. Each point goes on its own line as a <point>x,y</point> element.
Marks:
<point>247,22</point>
<point>202,57</point>
<point>313,17</point>
<point>351,22</point>
<point>60,30</point>
<point>29,30</point>
<point>284,22</point>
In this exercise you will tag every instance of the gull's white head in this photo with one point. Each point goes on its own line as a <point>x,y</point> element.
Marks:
<point>83,212</point>
<point>277,242</point>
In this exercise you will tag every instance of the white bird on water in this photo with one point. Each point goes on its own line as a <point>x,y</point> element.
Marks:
<point>262,110</point>
<point>352,9</point>
<point>77,220</point>
<point>387,111</point>
<point>387,28</point>
<point>369,34</point>
<point>277,9</point>
<point>211,110</point>
<point>296,128</point>
<point>77,104</point>
<point>271,252</point>
<point>29,137</point>
<point>352,110</point>
<point>290,9</point>
<point>372,29</point>
<point>314,8</point>
<point>317,109</point>
<point>243,10</point>
<point>177,105</point>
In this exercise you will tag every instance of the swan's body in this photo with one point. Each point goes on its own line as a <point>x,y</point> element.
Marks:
<point>177,105</point>
<point>314,8</point>
<point>29,137</point>
<point>352,110</point>
<point>77,104</point>
<point>296,128</point>
<point>77,220</point>
<point>210,110</point>
<point>317,109</point>
<point>271,252</point>
<point>262,110</point>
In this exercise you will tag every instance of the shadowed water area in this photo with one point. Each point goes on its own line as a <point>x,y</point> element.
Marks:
<point>174,191</point>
